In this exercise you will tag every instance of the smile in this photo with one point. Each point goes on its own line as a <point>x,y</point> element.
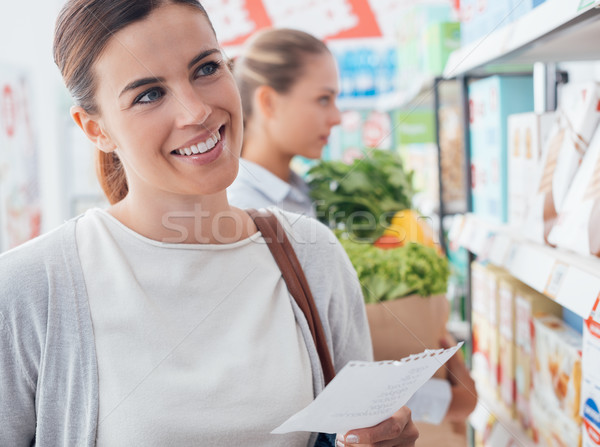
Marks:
<point>200,147</point>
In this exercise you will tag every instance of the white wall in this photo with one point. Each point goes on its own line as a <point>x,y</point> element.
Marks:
<point>26,30</point>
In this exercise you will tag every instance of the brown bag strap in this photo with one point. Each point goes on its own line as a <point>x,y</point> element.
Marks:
<point>293,275</point>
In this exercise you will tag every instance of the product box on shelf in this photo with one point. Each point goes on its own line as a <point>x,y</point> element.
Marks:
<point>480,325</point>
<point>557,374</point>
<point>507,350</point>
<point>491,101</point>
<point>439,40</point>
<point>576,227</point>
<point>551,428</point>
<point>520,8</point>
<point>578,116</point>
<point>528,304</point>
<point>590,387</point>
<point>526,134</point>
<point>479,18</point>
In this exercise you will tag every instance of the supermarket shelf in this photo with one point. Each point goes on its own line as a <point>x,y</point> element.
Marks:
<point>556,31</point>
<point>570,279</point>
<point>492,420</point>
<point>421,90</point>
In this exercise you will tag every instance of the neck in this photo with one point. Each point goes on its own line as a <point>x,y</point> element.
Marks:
<point>184,220</point>
<point>267,154</point>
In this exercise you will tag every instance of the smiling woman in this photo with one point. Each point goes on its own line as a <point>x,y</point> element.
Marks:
<point>164,319</point>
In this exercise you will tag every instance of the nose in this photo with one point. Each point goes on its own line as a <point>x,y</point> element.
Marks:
<point>192,108</point>
<point>336,116</point>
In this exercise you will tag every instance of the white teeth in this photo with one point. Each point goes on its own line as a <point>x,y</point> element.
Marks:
<point>201,147</point>
<point>210,143</point>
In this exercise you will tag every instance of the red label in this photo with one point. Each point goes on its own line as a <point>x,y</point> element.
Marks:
<point>592,432</point>
<point>8,115</point>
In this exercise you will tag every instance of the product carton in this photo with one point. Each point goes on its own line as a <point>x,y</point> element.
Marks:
<point>528,304</point>
<point>506,373</point>
<point>590,387</point>
<point>557,373</point>
<point>494,276</point>
<point>491,101</point>
<point>576,227</point>
<point>551,428</point>
<point>480,323</point>
<point>576,121</point>
<point>526,134</point>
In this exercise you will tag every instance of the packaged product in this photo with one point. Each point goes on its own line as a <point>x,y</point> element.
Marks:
<point>494,276</point>
<point>557,373</point>
<point>528,303</point>
<point>526,134</point>
<point>550,427</point>
<point>576,227</point>
<point>575,122</point>
<point>491,101</point>
<point>506,371</point>
<point>480,323</point>
<point>590,387</point>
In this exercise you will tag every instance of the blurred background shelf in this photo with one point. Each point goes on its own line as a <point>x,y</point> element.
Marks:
<point>570,279</point>
<point>558,30</point>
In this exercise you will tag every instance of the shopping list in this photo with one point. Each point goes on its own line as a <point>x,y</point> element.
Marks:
<point>364,394</point>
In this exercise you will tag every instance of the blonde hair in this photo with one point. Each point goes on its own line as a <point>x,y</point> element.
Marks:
<point>273,57</point>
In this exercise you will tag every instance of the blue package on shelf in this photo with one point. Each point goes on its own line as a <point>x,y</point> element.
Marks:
<point>491,100</point>
<point>520,8</point>
<point>537,3</point>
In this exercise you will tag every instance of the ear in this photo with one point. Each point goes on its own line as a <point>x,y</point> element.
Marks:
<point>265,100</point>
<point>92,129</point>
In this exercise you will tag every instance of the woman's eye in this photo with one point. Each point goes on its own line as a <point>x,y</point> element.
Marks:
<point>208,69</point>
<point>324,100</point>
<point>149,96</point>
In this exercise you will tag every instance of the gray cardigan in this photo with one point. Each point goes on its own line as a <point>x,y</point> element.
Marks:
<point>48,371</point>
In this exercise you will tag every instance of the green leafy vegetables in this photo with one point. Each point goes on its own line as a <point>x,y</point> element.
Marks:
<point>389,274</point>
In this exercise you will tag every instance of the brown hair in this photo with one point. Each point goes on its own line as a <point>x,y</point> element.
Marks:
<point>83,29</point>
<point>273,57</point>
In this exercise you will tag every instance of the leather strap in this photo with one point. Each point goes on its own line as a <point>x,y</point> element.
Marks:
<point>293,275</point>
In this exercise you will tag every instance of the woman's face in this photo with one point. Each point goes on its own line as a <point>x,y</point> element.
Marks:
<point>164,92</point>
<point>303,116</point>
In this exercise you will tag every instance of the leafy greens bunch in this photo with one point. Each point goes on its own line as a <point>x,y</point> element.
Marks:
<point>362,197</point>
<point>389,274</point>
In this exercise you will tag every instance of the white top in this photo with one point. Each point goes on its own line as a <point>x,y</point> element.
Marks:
<point>200,346</point>
<point>256,187</point>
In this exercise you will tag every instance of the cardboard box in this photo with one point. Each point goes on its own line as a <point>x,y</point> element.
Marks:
<point>491,101</point>
<point>576,227</point>
<point>590,387</point>
<point>407,326</point>
<point>494,276</point>
<point>528,304</point>
<point>480,325</point>
<point>551,428</point>
<point>506,372</point>
<point>526,134</point>
<point>578,116</point>
<point>557,374</point>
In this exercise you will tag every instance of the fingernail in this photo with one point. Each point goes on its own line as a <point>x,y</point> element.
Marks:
<point>351,439</point>
<point>339,443</point>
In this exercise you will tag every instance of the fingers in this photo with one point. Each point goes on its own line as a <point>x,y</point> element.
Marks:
<point>399,430</point>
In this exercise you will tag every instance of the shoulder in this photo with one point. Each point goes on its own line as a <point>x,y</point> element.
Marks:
<point>305,232</point>
<point>25,270</point>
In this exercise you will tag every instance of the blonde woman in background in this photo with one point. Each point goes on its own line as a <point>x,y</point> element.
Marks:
<point>288,81</point>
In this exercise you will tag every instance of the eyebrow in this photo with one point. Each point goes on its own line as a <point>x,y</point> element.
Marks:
<point>153,80</point>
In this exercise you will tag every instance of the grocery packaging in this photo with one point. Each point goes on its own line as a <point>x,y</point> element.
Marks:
<point>557,373</point>
<point>491,101</point>
<point>576,227</point>
<point>550,427</point>
<point>576,121</point>
<point>506,342</point>
<point>528,303</point>
<point>480,324</point>
<point>590,387</point>
<point>494,275</point>
<point>526,134</point>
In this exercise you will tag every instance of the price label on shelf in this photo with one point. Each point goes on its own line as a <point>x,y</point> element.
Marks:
<point>556,279</point>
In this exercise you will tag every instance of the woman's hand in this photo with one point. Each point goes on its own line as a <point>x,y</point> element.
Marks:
<point>397,431</point>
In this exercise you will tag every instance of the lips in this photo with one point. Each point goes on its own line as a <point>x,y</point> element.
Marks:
<point>200,146</point>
